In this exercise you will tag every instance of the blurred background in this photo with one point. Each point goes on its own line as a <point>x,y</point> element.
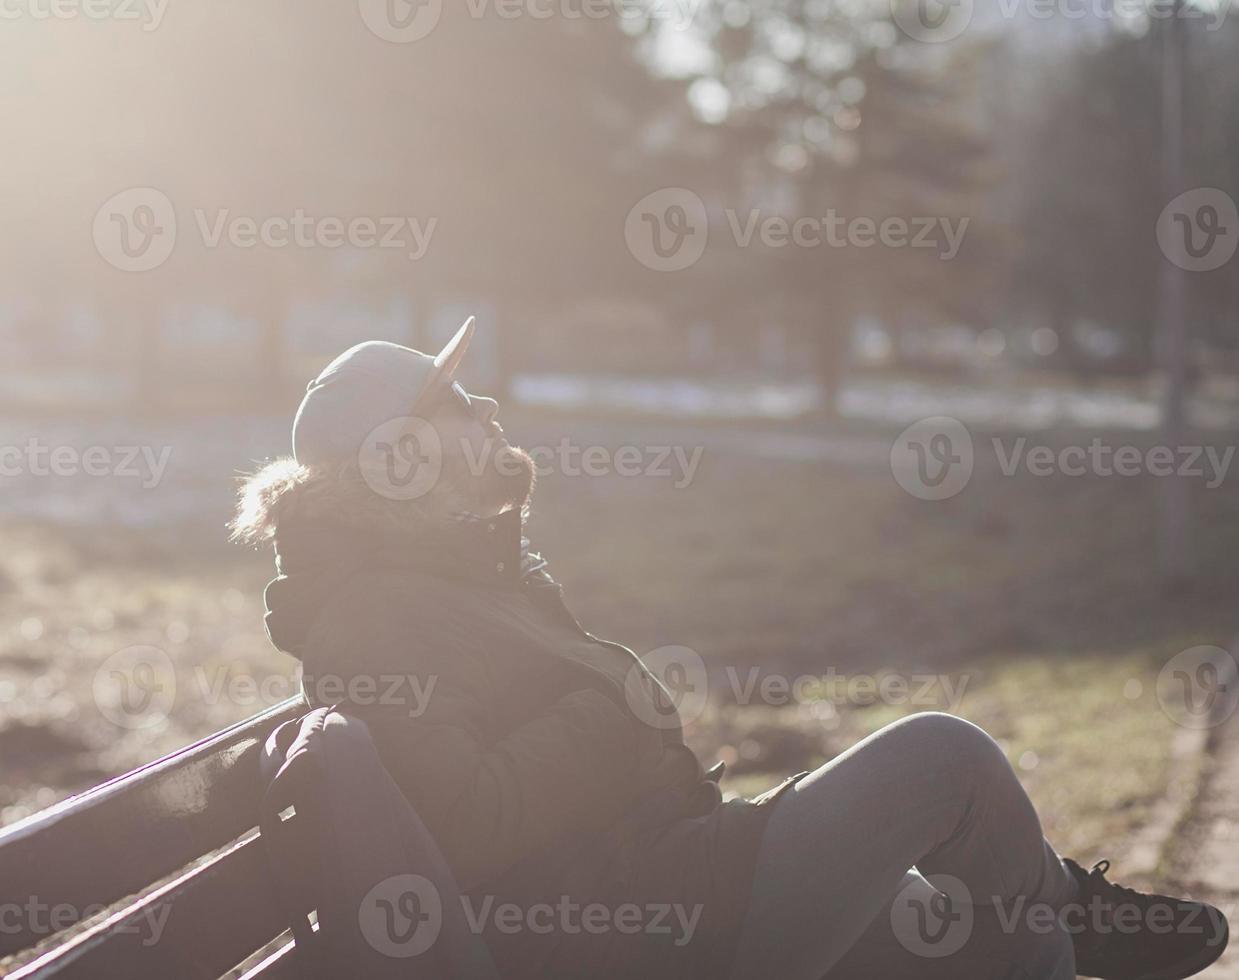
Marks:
<point>903,278</point>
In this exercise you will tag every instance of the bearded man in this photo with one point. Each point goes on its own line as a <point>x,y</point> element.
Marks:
<point>551,770</point>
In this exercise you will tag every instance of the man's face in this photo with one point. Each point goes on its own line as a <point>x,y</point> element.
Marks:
<point>483,468</point>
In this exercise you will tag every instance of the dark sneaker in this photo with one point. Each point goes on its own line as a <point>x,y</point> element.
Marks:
<point>1121,934</point>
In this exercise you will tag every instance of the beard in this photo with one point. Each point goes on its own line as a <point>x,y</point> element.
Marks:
<point>509,483</point>
<point>502,479</point>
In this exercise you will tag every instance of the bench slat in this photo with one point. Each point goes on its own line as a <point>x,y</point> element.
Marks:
<point>197,926</point>
<point>114,840</point>
<point>279,963</point>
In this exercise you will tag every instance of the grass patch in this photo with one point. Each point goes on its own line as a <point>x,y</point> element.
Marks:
<point>1041,593</point>
<point>1086,737</point>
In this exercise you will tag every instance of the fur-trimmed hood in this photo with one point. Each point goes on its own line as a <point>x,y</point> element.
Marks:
<point>328,528</point>
<point>284,491</point>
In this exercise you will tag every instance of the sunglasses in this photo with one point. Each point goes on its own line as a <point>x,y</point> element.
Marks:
<point>456,395</point>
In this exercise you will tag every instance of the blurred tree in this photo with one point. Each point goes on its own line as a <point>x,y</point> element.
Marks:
<point>1096,189</point>
<point>1092,199</point>
<point>522,139</point>
<point>831,110</point>
<point>517,144</point>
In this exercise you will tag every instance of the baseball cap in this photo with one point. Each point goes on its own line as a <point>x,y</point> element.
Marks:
<point>369,384</point>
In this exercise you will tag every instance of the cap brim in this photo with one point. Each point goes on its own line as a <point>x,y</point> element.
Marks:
<point>447,361</point>
<point>448,358</point>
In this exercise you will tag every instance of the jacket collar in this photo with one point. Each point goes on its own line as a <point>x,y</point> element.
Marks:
<point>482,550</point>
<point>486,548</point>
<point>314,559</point>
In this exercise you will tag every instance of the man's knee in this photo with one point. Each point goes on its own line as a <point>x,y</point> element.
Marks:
<point>950,741</point>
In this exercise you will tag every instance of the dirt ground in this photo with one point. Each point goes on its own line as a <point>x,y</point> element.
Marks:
<point>1028,604</point>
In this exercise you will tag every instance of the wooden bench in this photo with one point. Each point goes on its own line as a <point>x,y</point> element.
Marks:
<point>171,846</point>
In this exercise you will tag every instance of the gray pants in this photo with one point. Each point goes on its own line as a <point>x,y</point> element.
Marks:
<point>914,854</point>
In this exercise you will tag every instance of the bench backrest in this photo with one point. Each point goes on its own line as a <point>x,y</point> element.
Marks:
<point>157,873</point>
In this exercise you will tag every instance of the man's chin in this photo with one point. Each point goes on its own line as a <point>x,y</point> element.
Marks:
<point>513,482</point>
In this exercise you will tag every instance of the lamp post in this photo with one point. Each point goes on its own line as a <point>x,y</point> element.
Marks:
<point>1174,520</point>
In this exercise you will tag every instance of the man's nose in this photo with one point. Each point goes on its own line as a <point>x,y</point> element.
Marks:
<point>485,408</point>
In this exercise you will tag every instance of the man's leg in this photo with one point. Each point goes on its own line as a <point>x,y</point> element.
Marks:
<point>931,791</point>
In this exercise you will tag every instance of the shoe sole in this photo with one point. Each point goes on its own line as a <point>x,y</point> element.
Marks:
<point>1189,968</point>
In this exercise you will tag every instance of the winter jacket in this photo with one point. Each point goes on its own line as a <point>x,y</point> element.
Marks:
<point>588,841</point>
